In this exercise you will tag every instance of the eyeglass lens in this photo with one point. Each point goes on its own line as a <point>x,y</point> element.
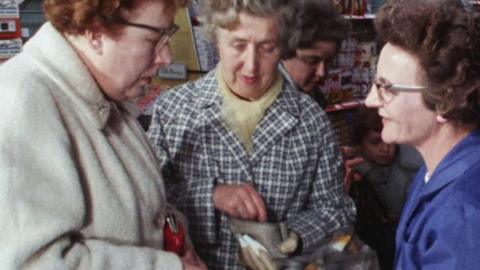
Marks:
<point>165,33</point>
<point>166,36</point>
<point>384,92</point>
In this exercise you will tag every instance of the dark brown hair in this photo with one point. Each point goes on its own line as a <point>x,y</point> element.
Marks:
<point>445,37</point>
<point>318,20</point>
<point>364,120</point>
<point>75,16</point>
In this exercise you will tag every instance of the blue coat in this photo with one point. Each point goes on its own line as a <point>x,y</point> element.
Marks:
<point>440,224</point>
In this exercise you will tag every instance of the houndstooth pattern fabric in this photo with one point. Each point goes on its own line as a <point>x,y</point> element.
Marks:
<point>295,165</point>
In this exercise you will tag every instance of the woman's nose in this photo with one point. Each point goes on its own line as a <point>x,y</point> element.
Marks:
<point>250,60</point>
<point>320,70</point>
<point>163,56</point>
<point>373,100</point>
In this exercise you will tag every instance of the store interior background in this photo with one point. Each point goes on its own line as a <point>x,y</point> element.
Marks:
<point>345,89</point>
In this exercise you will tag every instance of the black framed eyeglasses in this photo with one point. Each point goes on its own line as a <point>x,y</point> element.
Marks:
<point>166,33</point>
<point>387,91</point>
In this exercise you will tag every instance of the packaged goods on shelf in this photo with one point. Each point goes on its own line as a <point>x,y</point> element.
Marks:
<point>9,48</point>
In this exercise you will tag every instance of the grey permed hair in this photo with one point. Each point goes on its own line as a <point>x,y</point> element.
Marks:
<point>224,14</point>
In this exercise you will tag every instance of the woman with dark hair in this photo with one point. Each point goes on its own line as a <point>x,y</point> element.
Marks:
<point>79,183</point>
<point>315,40</point>
<point>427,91</point>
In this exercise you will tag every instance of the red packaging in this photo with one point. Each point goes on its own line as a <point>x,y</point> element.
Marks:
<point>174,236</point>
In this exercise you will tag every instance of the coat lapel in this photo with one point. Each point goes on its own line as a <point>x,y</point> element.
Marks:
<point>412,203</point>
<point>211,116</point>
<point>455,163</point>
<point>279,119</point>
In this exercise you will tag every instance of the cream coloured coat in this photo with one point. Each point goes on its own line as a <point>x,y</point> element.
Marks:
<point>79,184</point>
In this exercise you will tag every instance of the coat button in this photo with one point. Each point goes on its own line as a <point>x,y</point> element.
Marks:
<point>159,221</point>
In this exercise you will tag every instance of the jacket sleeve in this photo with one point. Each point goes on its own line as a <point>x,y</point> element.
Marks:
<point>156,136</point>
<point>329,209</point>
<point>169,133</point>
<point>43,205</point>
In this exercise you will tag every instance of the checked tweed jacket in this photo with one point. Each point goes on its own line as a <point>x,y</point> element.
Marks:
<point>295,165</point>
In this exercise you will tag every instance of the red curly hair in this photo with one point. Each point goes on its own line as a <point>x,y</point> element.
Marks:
<point>75,16</point>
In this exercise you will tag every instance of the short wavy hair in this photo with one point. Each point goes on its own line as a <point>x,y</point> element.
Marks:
<point>318,20</point>
<point>224,14</point>
<point>75,16</point>
<point>364,120</point>
<point>445,37</point>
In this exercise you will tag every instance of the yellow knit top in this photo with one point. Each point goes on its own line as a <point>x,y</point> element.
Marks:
<point>243,116</point>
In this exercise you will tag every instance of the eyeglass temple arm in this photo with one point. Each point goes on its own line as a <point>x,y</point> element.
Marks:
<point>403,87</point>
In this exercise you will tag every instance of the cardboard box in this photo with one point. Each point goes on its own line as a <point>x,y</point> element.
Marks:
<point>10,28</point>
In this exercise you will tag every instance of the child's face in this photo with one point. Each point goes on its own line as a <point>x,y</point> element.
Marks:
<point>377,151</point>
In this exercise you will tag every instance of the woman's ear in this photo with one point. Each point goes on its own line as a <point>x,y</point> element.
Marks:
<point>441,119</point>
<point>95,40</point>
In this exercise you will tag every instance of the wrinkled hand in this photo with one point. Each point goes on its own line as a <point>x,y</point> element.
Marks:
<point>257,257</point>
<point>351,159</point>
<point>241,201</point>
<point>191,261</point>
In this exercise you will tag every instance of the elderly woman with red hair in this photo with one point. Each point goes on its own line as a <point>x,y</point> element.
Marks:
<point>80,188</point>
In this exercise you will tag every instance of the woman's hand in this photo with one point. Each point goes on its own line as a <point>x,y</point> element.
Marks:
<point>191,261</point>
<point>241,201</point>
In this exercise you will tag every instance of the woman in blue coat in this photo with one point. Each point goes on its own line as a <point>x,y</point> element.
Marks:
<point>427,91</point>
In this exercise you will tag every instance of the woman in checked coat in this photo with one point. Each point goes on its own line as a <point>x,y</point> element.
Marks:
<point>242,142</point>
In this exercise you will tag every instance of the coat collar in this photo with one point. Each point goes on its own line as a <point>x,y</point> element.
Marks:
<point>463,156</point>
<point>455,163</point>
<point>209,95</point>
<point>69,74</point>
<point>286,75</point>
<point>282,116</point>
